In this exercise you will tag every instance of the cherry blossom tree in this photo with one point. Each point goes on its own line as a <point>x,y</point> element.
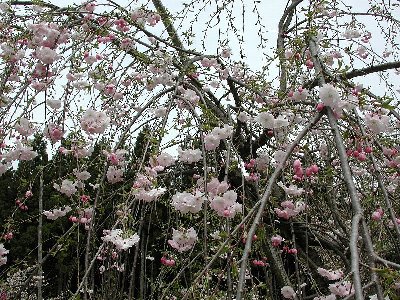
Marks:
<point>173,169</point>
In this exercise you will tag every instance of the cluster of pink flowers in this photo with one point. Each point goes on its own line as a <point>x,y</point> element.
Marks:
<point>187,202</point>
<point>143,187</point>
<point>94,121</point>
<point>53,132</point>
<point>212,140</point>
<point>267,120</point>
<point>259,263</point>
<point>115,236</point>
<point>190,155</point>
<point>342,289</point>
<point>226,205</point>
<point>331,97</point>
<point>85,217</point>
<point>378,123</point>
<point>67,187</point>
<point>298,95</point>
<point>222,200</point>
<point>183,239</point>
<point>165,160</point>
<point>56,213</point>
<point>290,209</point>
<point>292,190</point>
<point>330,274</point>
<point>21,152</point>
<point>24,127</point>
<point>288,292</point>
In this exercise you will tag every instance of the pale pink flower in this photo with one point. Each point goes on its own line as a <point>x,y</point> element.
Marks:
<point>149,195</point>
<point>190,155</point>
<point>94,121</point>
<point>115,236</point>
<point>56,213</point>
<point>187,202</point>
<point>226,206</point>
<point>342,289</point>
<point>67,187</point>
<point>24,127</point>
<point>183,239</point>
<point>288,292</point>
<point>330,274</point>
<point>165,160</point>
<point>46,55</point>
<point>115,174</point>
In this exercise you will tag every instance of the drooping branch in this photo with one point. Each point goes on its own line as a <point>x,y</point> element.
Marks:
<point>262,203</point>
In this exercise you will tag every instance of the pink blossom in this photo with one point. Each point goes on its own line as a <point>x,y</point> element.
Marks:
<point>183,239</point>
<point>226,206</point>
<point>149,195</point>
<point>46,55</point>
<point>189,156</point>
<point>56,213</point>
<point>114,174</point>
<point>342,289</point>
<point>116,237</point>
<point>94,122</point>
<point>288,292</point>
<point>377,214</point>
<point>276,240</point>
<point>165,160</point>
<point>67,187</point>
<point>187,202</point>
<point>330,274</point>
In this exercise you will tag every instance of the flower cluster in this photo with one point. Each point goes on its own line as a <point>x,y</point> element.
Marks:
<point>53,132</point>
<point>267,120</point>
<point>114,236</point>
<point>149,195</point>
<point>292,190</point>
<point>212,140</point>
<point>20,152</point>
<point>56,213</point>
<point>190,155</point>
<point>226,205</point>
<point>183,239</point>
<point>165,160</point>
<point>330,274</point>
<point>67,187</point>
<point>288,292</point>
<point>290,209</point>
<point>24,127</point>
<point>94,121</point>
<point>187,202</point>
<point>341,289</point>
<point>114,174</point>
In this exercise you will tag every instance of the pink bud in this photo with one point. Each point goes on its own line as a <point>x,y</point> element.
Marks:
<point>368,149</point>
<point>314,169</point>
<point>309,64</point>
<point>362,156</point>
<point>297,164</point>
<point>320,106</point>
